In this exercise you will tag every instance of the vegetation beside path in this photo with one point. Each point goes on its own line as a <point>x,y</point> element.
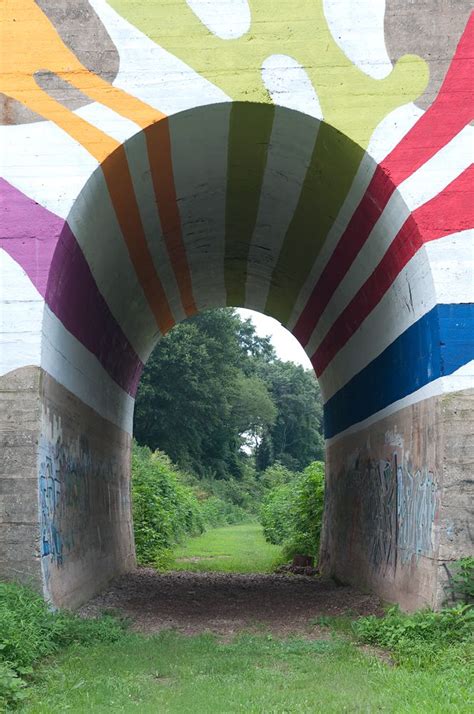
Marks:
<point>99,666</point>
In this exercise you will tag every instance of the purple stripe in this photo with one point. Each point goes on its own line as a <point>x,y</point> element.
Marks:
<point>74,297</point>
<point>44,246</point>
<point>28,233</point>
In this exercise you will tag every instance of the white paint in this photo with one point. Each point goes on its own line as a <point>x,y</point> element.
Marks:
<point>372,252</point>
<point>152,74</point>
<point>441,272</point>
<point>199,143</point>
<point>107,120</point>
<point>410,297</point>
<point>462,379</point>
<point>95,226</point>
<point>289,155</point>
<point>452,267</point>
<point>45,163</point>
<point>227,19</point>
<point>386,136</point>
<point>358,28</point>
<point>439,171</point>
<point>77,369</point>
<point>423,185</point>
<point>138,161</point>
<point>21,311</point>
<point>290,86</point>
<point>391,130</point>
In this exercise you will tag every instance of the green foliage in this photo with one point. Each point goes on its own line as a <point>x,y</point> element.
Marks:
<point>217,512</point>
<point>295,437</point>
<point>30,630</point>
<point>168,507</point>
<point>213,385</point>
<point>255,673</point>
<point>164,509</point>
<point>423,639</point>
<point>292,511</point>
<point>462,580</point>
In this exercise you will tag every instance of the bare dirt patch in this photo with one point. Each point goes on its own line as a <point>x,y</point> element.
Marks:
<point>226,604</point>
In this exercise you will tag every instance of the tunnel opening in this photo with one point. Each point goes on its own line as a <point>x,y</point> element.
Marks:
<point>256,206</point>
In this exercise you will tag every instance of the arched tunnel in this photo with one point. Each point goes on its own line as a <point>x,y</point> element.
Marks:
<point>248,204</point>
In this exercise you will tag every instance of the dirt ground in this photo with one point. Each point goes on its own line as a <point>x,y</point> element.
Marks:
<point>226,604</point>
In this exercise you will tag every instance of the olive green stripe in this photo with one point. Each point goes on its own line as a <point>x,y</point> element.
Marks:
<point>332,169</point>
<point>249,137</point>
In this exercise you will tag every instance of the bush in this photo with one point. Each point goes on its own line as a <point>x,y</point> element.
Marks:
<point>164,509</point>
<point>30,630</point>
<point>461,583</point>
<point>216,512</point>
<point>292,513</point>
<point>423,639</point>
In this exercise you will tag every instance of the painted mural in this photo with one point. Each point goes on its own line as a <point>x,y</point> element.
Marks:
<point>370,147</point>
<point>311,160</point>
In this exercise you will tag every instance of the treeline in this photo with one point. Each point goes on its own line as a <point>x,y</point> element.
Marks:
<point>215,398</point>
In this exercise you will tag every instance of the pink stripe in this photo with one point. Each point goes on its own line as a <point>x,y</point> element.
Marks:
<point>44,246</point>
<point>447,116</point>
<point>28,233</point>
<point>453,203</point>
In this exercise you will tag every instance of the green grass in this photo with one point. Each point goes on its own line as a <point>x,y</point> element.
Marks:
<point>231,549</point>
<point>171,673</point>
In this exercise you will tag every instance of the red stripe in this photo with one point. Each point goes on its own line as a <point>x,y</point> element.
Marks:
<point>447,116</point>
<point>447,213</point>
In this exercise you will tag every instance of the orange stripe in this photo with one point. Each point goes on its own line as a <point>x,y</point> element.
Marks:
<point>113,97</point>
<point>120,185</point>
<point>159,153</point>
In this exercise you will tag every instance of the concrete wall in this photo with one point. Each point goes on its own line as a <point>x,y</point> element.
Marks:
<point>162,158</point>
<point>86,532</point>
<point>397,501</point>
<point>20,416</point>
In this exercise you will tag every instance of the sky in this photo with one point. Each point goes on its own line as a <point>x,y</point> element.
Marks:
<point>286,346</point>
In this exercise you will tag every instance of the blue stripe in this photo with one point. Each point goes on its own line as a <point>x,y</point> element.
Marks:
<point>435,346</point>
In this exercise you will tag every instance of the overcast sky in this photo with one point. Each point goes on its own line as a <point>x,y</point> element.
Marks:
<point>286,346</point>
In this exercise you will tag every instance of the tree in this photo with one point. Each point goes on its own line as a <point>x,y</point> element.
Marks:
<point>296,435</point>
<point>211,385</point>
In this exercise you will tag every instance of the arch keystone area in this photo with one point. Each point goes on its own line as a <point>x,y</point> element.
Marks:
<point>168,192</point>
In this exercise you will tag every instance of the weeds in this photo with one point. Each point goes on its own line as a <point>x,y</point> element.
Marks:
<point>30,630</point>
<point>421,640</point>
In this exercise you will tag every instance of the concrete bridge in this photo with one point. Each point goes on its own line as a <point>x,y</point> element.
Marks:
<point>310,160</point>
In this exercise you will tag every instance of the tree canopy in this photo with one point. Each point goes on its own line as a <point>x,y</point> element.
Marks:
<point>212,386</point>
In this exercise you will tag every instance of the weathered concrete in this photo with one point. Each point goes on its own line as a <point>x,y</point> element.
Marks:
<point>161,158</point>
<point>20,416</point>
<point>398,499</point>
<point>84,491</point>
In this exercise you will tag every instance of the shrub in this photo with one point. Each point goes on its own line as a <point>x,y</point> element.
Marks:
<point>30,630</point>
<point>216,512</point>
<point>461,582</point>
<point>164,509</point>
<point>291,513</point>
<point>422,639</point>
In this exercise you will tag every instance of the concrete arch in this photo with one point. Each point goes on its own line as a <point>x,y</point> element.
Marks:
<point>200,223</point>
<point>109,237</point>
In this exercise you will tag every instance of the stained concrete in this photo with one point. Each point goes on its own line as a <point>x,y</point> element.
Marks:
<point>19,432</point>
<point>397,501</point>
<point>85,508</point>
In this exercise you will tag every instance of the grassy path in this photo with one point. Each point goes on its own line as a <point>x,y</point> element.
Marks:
<point>171,673</point>
<point>231,549</point>
<point>175,674</point>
